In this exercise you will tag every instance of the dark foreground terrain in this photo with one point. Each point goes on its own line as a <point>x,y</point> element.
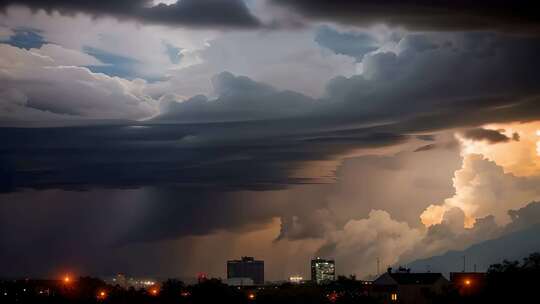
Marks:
<point>506,282</point>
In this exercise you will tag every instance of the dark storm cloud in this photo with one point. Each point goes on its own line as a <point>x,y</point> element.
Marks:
<point>466,82</point>
<point>491,136</point>
<point>253,135</point>
<point>427,15</point>
<point>198,211</point>
<point>199,148</point>
<point>117,221</point>
<point>198,13</point>
<point>474,74</point>
<point>226,156</point>
<point>458,89</point>
<point>98,217</point>
<point>118,226</point>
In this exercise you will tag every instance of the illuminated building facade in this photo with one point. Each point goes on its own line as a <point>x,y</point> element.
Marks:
<point>247,267</point>
<point>322,270</point>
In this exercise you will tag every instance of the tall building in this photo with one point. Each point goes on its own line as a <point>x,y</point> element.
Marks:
<point>247,267</point>
<point>322,270</point>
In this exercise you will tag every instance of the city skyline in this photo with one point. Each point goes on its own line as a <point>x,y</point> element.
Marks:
<point>162,138</point>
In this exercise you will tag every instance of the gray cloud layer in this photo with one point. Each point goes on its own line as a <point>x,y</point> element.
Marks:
<point>439,15</point>
<point>424,15</point>
<point>430,82</point>
<point>197,13</point>
<point>239,99</point>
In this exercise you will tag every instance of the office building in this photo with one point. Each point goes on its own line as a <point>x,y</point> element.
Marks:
<point>322,270</point>
<point>247,267</point>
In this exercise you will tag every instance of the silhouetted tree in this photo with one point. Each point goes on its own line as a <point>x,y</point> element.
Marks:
<point>171,291</point>
<point>513,281</point>
<point>214,291</point>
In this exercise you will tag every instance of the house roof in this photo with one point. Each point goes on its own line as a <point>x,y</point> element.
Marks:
<point>416,278</point>
<point>427,278</point>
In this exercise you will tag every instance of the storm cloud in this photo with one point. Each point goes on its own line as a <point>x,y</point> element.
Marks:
<point>253,135</point>
<point>424,15</point>
<point>195,13</point>
<point>428,82</point>
<point>333,139</point>
<point>491,136</point>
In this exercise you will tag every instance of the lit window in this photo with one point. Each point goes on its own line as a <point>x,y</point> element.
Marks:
<point>393,297</point>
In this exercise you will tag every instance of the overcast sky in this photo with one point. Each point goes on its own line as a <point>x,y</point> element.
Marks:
<point>161,138</point>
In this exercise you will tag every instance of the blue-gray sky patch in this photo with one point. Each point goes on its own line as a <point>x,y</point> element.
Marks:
<point>346,43</point>
<point>114,64</point>
<point>26,38</point>
<point>173,52</point>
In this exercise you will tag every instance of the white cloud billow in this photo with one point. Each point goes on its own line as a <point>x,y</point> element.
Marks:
<point>51,87</point>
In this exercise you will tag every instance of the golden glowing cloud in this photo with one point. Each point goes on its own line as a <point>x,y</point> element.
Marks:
<point>488,182</point>
<point>433,215</point>
<point>520,157</point>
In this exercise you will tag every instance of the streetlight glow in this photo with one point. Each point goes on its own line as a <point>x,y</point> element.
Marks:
<point>102,295</point>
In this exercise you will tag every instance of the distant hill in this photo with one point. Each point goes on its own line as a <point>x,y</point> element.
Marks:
<point>513,246</point>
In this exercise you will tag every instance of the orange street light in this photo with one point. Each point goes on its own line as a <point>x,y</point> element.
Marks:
<point>333,296</point>
<point>154,291</point>
<point>467,282</point>
<point>102,295</point>
<point>251,296</point>
<point>67,279</point>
